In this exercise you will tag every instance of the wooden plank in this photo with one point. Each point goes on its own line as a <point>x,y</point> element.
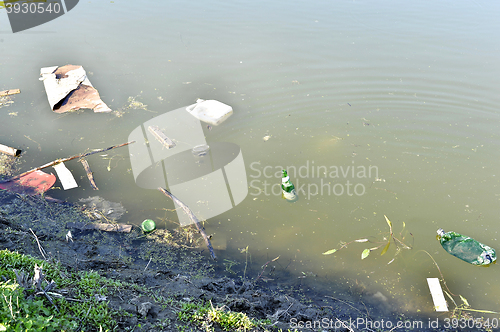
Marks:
<point>161,137</point>
<point>9,92</point>
<point>90,175</point>
<point>437,294</point>
<point>10,151</point>
<point>101,227</point>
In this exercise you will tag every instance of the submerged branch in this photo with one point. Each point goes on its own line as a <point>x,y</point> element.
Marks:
<point>193,218</point>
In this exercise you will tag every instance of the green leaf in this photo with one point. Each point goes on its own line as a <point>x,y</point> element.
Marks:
<point>365,253</point>
<point>329,252</point>
<point>388,221</point>
<point>385,248</point>
<point>464,300</point>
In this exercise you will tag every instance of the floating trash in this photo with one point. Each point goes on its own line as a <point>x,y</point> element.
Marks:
<point>466,248</point>
<point>288,188</point>
<point>36,182</point>
<point>148,225</point>
<point>69,89</point>
<point>210,111</point>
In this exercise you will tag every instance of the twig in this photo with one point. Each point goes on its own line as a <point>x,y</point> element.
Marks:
<point>9,92</point>
<point>193,218</point>
<point>264,267</point>
<point>147,264</point>
<point>43,292</point>
<point>52,163</point>
<point>344,325</point>
<point>246,263</point>
<point>89,172</point>
<point>439,270</point>
<point>42,251</point>
<point>66,298</point>
<point>276,316</point>
<point>333,298</point>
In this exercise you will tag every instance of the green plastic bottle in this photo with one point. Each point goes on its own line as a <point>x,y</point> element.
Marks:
<point>466,248</point>
<point>288,188</point>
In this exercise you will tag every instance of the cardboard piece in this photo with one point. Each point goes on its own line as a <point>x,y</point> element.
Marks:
<point>69,89</point>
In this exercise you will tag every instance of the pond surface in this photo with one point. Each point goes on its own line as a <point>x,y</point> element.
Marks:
<point>375,109</point>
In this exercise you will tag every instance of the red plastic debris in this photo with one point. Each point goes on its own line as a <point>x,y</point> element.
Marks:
<point>37,182</point>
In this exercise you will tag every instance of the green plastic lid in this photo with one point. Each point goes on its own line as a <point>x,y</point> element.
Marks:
<point>148,225</point>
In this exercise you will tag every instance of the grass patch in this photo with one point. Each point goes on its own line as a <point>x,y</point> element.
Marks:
<point>206,315</point>
<point>79,297</point>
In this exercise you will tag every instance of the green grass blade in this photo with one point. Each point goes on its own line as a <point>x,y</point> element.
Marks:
<point>464,300</point>
<point>385,248</point>
<point>388,222</point>
<point>483,311</point>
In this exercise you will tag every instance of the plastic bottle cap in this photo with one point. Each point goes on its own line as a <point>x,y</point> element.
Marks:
<point>148,225</point>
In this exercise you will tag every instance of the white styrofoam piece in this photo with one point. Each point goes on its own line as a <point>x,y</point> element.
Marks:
<point>210,111</point>
<point>65,176</point>
<point>437,294</point>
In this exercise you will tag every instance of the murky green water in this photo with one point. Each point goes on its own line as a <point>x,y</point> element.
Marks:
<point>405,94</point>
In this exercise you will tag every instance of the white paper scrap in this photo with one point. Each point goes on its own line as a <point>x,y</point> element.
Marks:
<point>437,294</point>
<point>65,176</point>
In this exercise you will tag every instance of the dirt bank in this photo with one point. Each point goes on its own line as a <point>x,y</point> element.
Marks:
<point>160,273</point>
<point>161,281</point>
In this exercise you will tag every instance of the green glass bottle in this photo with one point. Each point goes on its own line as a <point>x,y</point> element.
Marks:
<point>466,248</point>
<point>148,225</point>
<point>288,187</point>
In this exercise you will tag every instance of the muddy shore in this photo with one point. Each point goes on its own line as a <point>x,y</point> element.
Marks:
<point>168,271</point>
<point>165,274</point>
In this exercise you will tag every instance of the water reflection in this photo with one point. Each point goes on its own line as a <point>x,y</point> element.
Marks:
<point>410,91</point>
